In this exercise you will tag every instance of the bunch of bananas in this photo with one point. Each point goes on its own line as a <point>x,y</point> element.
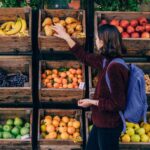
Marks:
<point>11,28</point>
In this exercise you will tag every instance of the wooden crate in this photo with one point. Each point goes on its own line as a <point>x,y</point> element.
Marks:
<point>46,43</point>
<point>135,46</point>
<point>123,146</point>
<point>13,64</point>
<point>14,144</point>
<point>144,66</point>
<point>60,95</point>
<point>15,43</point>
<point>46,144</point>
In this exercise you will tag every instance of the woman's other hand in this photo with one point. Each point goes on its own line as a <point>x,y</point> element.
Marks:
<point>87,103</point>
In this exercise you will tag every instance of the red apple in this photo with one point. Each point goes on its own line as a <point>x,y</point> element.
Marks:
<point>135,35</point>
<point>120,29</point>
<point>124,23</point>
<point>147,27</point>
<point>140,28</point>
<point>133,23</point>
<point>103,21</point>
<point>142,20</point>
<point>125,35</point>
<point>130,29</point>
<point>114,22</point>
<point>145,35</point>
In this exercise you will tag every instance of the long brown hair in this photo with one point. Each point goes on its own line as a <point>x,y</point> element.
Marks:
<point>113,45</point>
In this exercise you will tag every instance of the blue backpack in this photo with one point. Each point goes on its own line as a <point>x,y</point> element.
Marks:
<point>136,106</point>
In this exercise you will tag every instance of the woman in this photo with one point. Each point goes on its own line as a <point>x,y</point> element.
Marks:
<point>105,104</point>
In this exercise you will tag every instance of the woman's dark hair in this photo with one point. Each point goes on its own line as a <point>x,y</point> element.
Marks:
<point>113,46</point>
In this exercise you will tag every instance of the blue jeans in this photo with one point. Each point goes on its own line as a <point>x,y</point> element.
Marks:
<point>104,138</point>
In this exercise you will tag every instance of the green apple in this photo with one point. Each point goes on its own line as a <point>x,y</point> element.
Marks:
<point>135,138</point>
<point>7,135</point>
<point>140,131</point>
<point>24,131</point>
<point>27,125</point>
<point>130,131</point>
<point>18,121</point>
<point>18,136</point>
<point>10,122</point>
<point>144,138</point>
<point>15,131</point>
<point>7,128</point>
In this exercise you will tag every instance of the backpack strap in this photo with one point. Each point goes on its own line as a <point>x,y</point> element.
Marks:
<point>120,61</point>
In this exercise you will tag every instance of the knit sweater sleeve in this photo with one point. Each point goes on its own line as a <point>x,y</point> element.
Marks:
<point>117,74</point>
<point>90,59</point>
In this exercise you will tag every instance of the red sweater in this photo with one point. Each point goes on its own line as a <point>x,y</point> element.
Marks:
<point>106,115</point>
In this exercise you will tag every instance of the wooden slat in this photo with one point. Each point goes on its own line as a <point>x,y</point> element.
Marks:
<point>47,43</point>
<point>14,43</point>
<point>135,47</point>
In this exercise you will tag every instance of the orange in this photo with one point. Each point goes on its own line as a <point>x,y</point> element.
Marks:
<point>47,121</point>
<point>64,136</point>
<point>65,86</point>
<point>52,135</point>
<point>55,71</point>
<point>70,70</point>
<point>49,77</point>
<point>56,118</point>
<point>76,124</point>
<point>71,130</point>
<point>50,128</point>
<point>68,73</point>
<point>71,76</point>
<point>76,87</point>
<point>54,76</point>
<point>76,134</point>
<point>49,85</point>
<point>55,123</point>
<point>79,71</point>
<point>59,80</point>
<point>48,72</point>
<point>70,86</point>
<point>43,75</point>
<point>79,76</point>
<point>75,79</point>
<point>62,124</point>
<point>63,74</point>
<point>46,81</point>
<point>60,86</point>
<point>48,117</point>
<point>62,129</point>
<point>64,81</point>
<point>56,85</point>
<point>65,119</point>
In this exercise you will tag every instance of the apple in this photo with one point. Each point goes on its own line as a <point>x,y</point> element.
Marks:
<point>144,138</point>
<point>135,35</point>
<point>114,22</point>
<point>140,131</point>
<point>130,29</point>
<point>103,21</point>
<point>124,23</point>
<point>135,138</point>
<point>125,138</point>
<point>142,20</point>
<point>129,124</point>
<point>136,126</point>
<point>147,27</point>
<point>145,35</point>
<point>140,28</point>
<point>125,35</point>
<point>120,29</point>
<point>133,23</point>
<point>130,131</point>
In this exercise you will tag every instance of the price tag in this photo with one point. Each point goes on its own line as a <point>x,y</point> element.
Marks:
<point>82,85</point>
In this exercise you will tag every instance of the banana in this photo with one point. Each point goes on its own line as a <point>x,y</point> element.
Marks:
<point>24,25</point>
<point>2,33</point>
<point>16,28</point>
<point>9,26</point>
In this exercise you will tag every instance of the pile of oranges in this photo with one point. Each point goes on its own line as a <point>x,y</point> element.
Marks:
<point>64,128</point>
<point>62,78</point>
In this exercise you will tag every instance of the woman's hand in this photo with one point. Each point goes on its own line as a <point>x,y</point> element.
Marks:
<point>87,103</point>
<point>61,33</point>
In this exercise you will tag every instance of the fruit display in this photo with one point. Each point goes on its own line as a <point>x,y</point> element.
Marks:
<point>72,26</point>
<point>17,79</point>
<point>15,128</point>
<point>136,132</point>
<point>135,28</point>
<point>60,128</point>
<point>14,28</point>
<point>147,81</point>
<point>62,78</point>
